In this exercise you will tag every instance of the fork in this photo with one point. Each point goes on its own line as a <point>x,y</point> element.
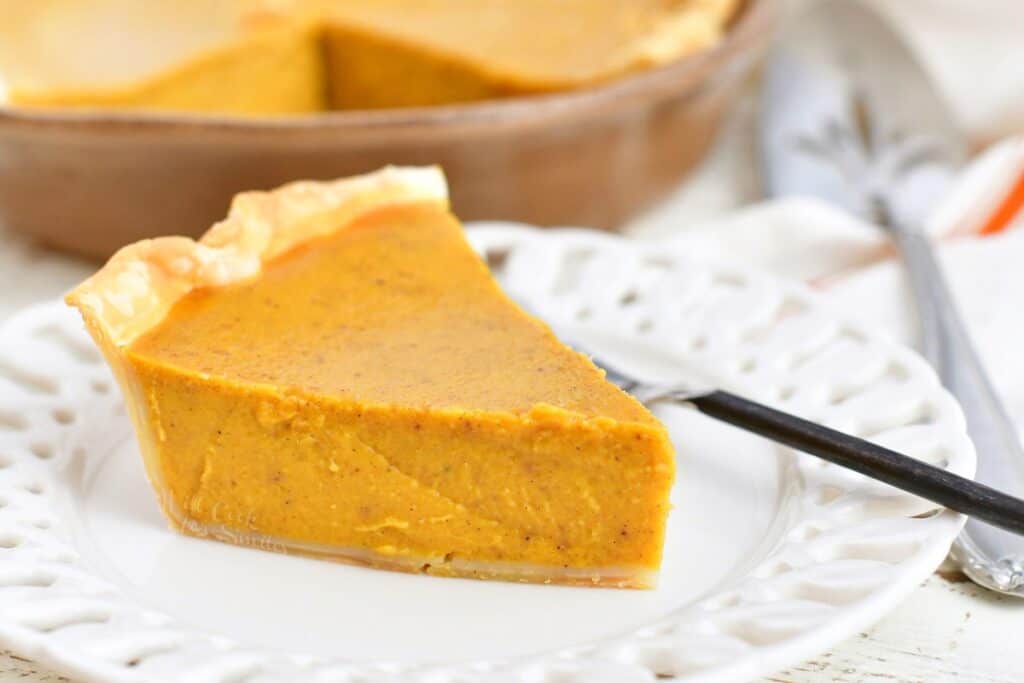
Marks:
<point>896,469</point>
<point>851,117</point>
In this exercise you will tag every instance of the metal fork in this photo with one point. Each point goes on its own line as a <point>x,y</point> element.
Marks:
<point>899,470</point>
<point>850,117</point>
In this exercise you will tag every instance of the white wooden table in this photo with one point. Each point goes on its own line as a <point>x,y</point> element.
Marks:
<point>947,630</point>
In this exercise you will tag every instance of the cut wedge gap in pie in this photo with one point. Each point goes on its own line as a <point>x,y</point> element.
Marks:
<point>332,371</point>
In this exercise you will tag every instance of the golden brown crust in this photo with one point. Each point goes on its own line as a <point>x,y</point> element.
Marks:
<point>136,289</point>
<point>624,576</point>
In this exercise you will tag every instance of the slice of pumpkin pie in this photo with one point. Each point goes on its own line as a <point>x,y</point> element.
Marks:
<point>332,371</point>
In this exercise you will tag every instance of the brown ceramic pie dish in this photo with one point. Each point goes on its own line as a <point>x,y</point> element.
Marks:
<point>92,181</point>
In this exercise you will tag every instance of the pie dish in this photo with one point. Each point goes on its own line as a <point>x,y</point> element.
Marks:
<point>332,371</point>
<point>299,56</point>
<point>593,156</point>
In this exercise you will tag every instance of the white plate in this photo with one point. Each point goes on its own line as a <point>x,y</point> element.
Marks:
<point>770,556</point>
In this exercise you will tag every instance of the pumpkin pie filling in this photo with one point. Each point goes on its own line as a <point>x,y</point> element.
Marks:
<point>300,56</point>
<point>333,371</point>
<point>193,56</point>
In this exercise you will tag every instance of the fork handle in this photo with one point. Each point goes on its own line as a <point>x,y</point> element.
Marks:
<point>947,346</point>
<point>903,472</point>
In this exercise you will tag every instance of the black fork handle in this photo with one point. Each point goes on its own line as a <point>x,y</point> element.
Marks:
<point>924,480</point>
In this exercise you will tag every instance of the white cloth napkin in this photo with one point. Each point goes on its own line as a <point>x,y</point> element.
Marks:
<point>852,266</point>
<point>973,50</point>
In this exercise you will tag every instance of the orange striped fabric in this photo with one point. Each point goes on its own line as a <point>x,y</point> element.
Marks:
<point>1007,210</point>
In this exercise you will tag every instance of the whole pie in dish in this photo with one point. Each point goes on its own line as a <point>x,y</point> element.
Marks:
<point>297,56</point>
<point>332,371</point>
